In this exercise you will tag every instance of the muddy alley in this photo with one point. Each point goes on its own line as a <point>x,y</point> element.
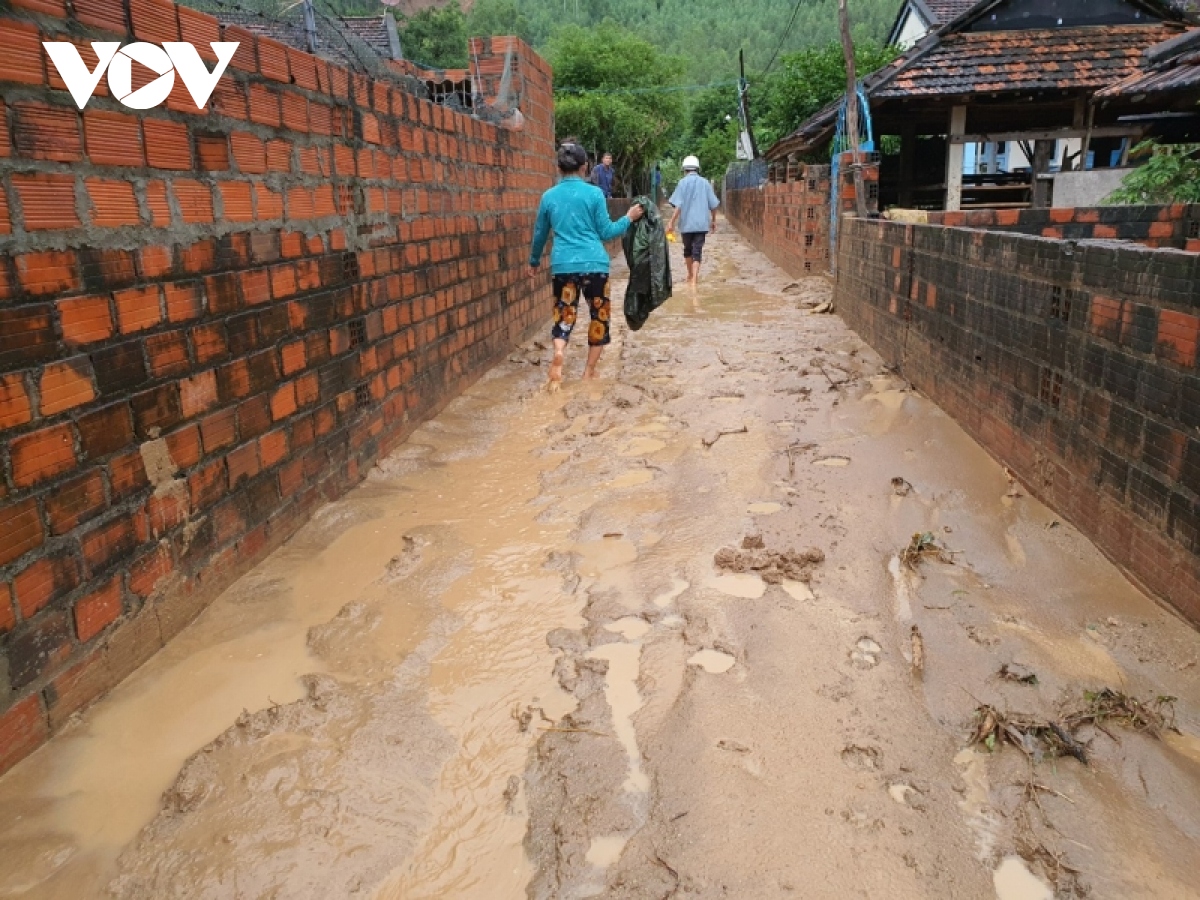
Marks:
<point>744,618</point>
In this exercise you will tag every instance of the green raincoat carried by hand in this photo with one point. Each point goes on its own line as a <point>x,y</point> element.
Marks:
<point>645,245</point>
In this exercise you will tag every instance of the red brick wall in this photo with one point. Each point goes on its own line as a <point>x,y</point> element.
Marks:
<point>1075,364</point>
<point>1176,226</point>
<point>789,219</point>
<point>213,321</point>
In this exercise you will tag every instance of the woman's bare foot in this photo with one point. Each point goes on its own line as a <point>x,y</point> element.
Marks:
<point>589,374</point>
<point>556,371</point>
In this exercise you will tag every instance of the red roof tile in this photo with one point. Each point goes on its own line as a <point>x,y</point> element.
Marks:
<point>1031,60</point>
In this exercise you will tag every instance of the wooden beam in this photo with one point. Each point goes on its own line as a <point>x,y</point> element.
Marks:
<point>1056,134</point>
<point>955,152</point>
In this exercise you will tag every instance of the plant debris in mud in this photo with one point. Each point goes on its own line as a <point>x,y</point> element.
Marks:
<point>1151,717</point>
<point>1034,737</point>
<point>772,565</point>
<point>925,546</point>
<point>900,487</point>
<point>1038,738</point>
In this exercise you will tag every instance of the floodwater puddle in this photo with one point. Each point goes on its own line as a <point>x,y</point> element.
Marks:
<point>1014,881</point>
<point>743,585</point>
<point>642,446</point>
<point>631,628</point>
<point>601,557</point>
<point>632,479</point>
<point>624,699</point>
<point>712,661</point>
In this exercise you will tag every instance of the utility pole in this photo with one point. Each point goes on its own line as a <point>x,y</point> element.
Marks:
<point>860,201</point>
<point>744,105</point>
<point>310,26</point>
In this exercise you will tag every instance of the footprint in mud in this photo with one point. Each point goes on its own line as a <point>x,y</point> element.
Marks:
<point>862,759</point>
<point>406,560</point>
<point>865,654</point>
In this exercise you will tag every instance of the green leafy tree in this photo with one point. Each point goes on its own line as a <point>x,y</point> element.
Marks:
<point>813,78</point>
<point>490,17</point>
<point>436,37</point>
<point>609,93</point>
<point>1170,175</point>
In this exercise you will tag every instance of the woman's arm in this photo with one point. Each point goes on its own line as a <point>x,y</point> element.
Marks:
<point>605,227</point>
<point>541,233</point>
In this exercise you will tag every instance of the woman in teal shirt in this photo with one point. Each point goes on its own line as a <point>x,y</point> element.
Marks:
<point>578,215</point>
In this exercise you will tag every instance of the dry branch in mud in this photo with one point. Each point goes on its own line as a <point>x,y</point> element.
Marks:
<point>774,566</point>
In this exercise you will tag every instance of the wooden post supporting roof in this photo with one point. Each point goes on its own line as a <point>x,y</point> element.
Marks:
<point>955,153</point>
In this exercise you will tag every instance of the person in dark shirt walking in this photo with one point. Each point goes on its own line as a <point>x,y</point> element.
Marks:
<point>577,214</point>
<point>602,175</point>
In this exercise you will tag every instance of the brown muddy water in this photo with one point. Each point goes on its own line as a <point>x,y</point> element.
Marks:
<point>506,665</point>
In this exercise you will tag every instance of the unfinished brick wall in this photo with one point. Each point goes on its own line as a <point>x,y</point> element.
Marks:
<point>788,221</point>
<point>213,321</point>
<point>1176,226</point>
<point>1074,363</point>
<point>788,217</point>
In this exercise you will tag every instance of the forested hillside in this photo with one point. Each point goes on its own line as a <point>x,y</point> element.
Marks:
<point>706,33</point>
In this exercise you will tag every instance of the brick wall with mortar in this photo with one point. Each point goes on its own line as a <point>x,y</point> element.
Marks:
<point>213,321</point>
<point>1176,226</point>
<point>1073,363</point>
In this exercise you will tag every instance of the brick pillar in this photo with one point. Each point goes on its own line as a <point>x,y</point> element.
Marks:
<point>847,192</point>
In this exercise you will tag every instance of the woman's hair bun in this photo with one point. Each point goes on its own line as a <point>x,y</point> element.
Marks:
<point>571,157</point>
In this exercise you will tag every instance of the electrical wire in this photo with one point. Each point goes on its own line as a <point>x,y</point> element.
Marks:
<point>782,40</point>
<point>664,89</point>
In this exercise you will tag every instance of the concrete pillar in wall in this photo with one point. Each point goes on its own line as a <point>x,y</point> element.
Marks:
<point>954,158</point>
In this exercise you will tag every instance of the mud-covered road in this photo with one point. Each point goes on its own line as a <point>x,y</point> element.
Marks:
<point>648,637</point>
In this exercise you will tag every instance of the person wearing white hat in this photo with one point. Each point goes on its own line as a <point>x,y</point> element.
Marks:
<point>695,214</point>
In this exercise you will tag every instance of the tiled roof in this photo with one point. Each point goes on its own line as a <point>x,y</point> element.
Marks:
<point>1010,61</point>
<point>1169,68</point>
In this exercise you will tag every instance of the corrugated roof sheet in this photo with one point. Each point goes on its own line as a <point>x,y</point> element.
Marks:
<point>1007,61</point>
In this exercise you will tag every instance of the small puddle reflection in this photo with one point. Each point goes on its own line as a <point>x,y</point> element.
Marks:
<point>712,661</point>
<point>1013,881</point>
<point>742,585</point>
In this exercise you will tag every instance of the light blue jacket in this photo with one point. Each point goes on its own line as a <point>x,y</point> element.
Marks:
<point>695,200</point>
<point>578,215</point>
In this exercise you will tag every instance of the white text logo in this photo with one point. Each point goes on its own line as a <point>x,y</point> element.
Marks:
<point>173,57</point>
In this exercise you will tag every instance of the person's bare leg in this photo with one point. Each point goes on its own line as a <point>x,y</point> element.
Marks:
<point>691,270</point>
<point>556,366</point>
<point>593,360</point>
